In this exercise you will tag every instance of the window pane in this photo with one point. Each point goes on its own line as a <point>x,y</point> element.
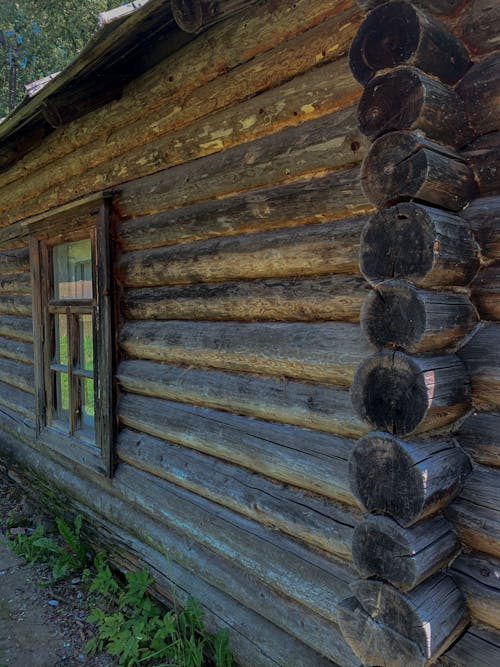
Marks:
<point>61,339</point>
<point>62,397</point>
<point>73,270</point>
<point>87,393</point>
<point>86,356</point>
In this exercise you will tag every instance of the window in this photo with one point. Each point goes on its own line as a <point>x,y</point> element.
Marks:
<point>74,360</point>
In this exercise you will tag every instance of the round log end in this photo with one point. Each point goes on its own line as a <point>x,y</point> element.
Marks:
<point>188,14</point>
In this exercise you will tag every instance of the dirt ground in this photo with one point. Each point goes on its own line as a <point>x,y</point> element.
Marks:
<point>41,624</point>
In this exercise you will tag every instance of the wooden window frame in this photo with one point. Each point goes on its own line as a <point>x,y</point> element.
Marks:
<point>88,218</point>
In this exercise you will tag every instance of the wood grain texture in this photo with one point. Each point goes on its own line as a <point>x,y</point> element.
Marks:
<point>477,26</point>
<point>477,646</point>
<point>312,460</point>
<point>481,355</point>
<point>479,579</point>
<point>479,435</point>
<point>310,405</point>
<point>195,15</point>
<point>16,328</point>
<point>483,157</point>
<point>480,91</point>
<point>485,292</point>
<point>319,352</point>
<point>18,399</point>
<point>483,215</point>
<point>14,261</point>
<point>16,350</point>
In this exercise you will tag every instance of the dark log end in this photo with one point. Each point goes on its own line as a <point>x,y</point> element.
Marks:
<point>188,14</point>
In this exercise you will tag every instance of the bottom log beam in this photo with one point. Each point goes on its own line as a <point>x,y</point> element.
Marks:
<point>478,646</point>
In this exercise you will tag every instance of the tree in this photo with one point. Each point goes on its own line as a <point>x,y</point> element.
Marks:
<point>38,38</point>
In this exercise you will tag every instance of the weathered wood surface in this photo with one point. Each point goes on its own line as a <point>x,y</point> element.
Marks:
<point>331,297</point>
<point>398,314</point>
<point>485,293</point>
<point>18,283</point>
<point>405,165</point>
<point>475,513</point>
<point>16,328</point>
<point>311,460</point>
<point>397,33</point>
<point>407,480</point>
<point>483,215</point>
<point>195,15</point>
<point>404,557</point>
<point>424,245</point>
<point>398,393</point>
<point>14,261</point>
<point>481,355</point>
<point>443,7</point>
<point>310,405</point>
<point>479,435</point>
<point>396,629</point>
<point>16,305</point>
<point>316,521</point>
<point>17,374</point>
<point>407,99</point>
<point>320,352</point>
<point>477,26</point>
<point>483,157</point>
<point>478,646</point>
<point>315,199</point>
<point>16,349</point>
<point>309,250</point>
<point>480,91</point>
<point>18,399</point>
<point>479,579</point>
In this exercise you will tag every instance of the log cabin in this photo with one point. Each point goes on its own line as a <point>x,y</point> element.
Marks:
<point>200,202</point>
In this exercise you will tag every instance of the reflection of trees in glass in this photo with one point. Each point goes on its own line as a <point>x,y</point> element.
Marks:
<point>40,37</point>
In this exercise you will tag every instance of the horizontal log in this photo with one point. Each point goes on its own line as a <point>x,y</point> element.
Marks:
<point>417,243</point>
<point>440,7</point>
<point>303,251</point>
<point>405,557</point>
<point>478,435</point>
<point>485,293</point>
<point>18,283</point>
<point>319,522</point>
<point>477,646</point>
<point>14,304</point>
<point>404,165</point>
<point>398,314</point>
<point>333,297</point>
<point>475,512</point>
<point>477,26</point>
<point>398,34</point>
<point>308,405</point>
<point>16,260</point>
<point>16,349</point>
<point>395,392</point>
<point>483,215</point>
<point>481,355</point>
<point>385,626</point>
<point>311,460</point>
<point>17,374</point>
<point>319,352</point>
<point>195,15</point>
<point>17,328</point>
<point>407,99</point>
<point>479,580</point>
<point>483,157</point>
<point>19,400</point>
<point>480,91</point>
<point>407,480</point>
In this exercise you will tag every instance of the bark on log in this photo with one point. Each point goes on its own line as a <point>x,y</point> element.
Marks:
<point>400,394</point>
<point>195,15</point>
<point>400,315</point>
<point>334,297</point>
<point>310,405</point>
<point>396,33</point>
<point>480,91</point>
<point>387,627</point>
<point>485,293</point>
<point>408,99</point>
<point>309,351</point>
<point>443,7</point>
<point>479,580</point>
<point>483,215</point>
<point>316,521</point>
<point>478,646</point>
<point>407,480</point>
<point>483,157</point>
<point>424,245</point>
<point>312,460</point>
<point>402,556</point>
<point>478,435</point>
<point>481,355</point>
<point>303,251</point>
<point>16,328</point>
<point>477,26</point>
<point>405,165</point>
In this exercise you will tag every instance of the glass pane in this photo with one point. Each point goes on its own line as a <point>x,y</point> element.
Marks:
<point>86,355</point>
<point>61,339</point>
<point>87,403</point>
<point>73,270</point>
<point>62,397</point>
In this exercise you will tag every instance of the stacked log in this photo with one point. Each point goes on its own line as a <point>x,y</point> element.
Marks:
<point>418,252</point>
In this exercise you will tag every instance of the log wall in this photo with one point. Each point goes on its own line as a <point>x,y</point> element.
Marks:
<point>249,258</point>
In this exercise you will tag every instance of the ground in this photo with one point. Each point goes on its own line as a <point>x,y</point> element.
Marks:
<point>41,624</point>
